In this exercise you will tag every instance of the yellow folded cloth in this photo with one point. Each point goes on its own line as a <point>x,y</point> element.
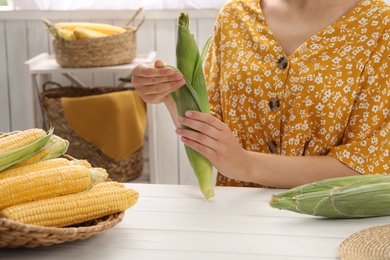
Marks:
<point>114,122</point>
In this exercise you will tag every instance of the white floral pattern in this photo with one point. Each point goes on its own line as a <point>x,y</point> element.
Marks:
<point>333,95</point>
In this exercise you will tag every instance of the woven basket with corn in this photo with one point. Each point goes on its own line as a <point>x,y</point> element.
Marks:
<point>39,188</point>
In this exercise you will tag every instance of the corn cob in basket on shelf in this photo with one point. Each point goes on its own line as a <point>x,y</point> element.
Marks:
<point>70,31</point>
<point>39,186</point>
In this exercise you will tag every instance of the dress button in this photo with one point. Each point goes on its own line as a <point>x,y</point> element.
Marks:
<point>282,62</point>
<point>274,104</point>
<point>272,146</point>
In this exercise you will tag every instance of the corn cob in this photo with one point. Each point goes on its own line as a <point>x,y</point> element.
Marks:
<point>108,185</point>
<point>21,146</point>
<point>72,209</point>
<point>193,96</point>
<point>98,27</point>
<point>48,183</point>
<point>82,33</point>
<point>66,34</point>
<point>344,197</point>
<point>20,139</point>
<point>33,159</point>
<point>38,166</point>
<point>54,148</point>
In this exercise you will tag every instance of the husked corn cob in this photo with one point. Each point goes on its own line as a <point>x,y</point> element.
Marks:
<point>83,162</point>
<point>54,148</point>
<point>344,197</point>
<point>98,27</point>
<point>48,183</point>
<point>108,185</point>
<point>38,166</point>
<point>66,34</point>
<point>193,96</point>
<point>20,139</point>
<point>31,160</point>
<point>75,208</point>
<point>21,146</point>
<point>82,33</point>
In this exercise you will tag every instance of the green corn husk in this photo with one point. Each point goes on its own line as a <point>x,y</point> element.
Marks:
<point>18,155</point>
<point>324,185</point>
<point>193,96</point>
<point>345,197</point>
<point>57,146</point>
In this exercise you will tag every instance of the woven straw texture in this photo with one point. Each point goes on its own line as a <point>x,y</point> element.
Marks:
<point>105,51</point>
<point>119,170</point>
<point>14,234</point>
<point>368,244</point>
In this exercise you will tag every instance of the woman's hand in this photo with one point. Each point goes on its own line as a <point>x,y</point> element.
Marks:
<point>154,84</point>
<point>214,140</point>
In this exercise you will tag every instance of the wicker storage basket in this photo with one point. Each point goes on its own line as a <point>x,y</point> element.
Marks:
<point>119,170</point>
<point>15,234</point>
<point>105,51</point>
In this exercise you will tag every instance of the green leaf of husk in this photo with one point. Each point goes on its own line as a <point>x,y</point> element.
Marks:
<point>344,197</point>
<point>285,203</point>
<point>188,89</point>
<point>326,185</point>
<point>56,146</point>
<point>365,200</point>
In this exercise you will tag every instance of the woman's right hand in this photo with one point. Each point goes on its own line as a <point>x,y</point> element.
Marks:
<point>155,83</point>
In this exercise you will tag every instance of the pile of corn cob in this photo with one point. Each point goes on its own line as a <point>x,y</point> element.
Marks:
<point>39,187</point>
<point>357,196</point>
<point>193,95</point>
<point>70,31</point>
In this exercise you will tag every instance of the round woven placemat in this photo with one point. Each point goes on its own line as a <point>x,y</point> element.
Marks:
<point>367,244</point>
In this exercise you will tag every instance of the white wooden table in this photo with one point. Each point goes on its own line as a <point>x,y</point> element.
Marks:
<point>176,222</point>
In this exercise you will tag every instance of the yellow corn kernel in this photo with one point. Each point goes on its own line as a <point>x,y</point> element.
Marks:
<point>48,183</point>
<point>29,168</point>
<point>20,139</point>
<point>75,208</point>
<point>31,160</point>
<point>109,184</point>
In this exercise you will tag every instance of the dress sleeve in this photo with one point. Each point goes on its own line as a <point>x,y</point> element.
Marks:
<point>366,142</point>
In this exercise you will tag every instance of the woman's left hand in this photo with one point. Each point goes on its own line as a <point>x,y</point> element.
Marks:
<point>214,140</point>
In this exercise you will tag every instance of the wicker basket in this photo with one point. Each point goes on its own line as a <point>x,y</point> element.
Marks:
<point>15,234</point>
<point>105,51</point>
<point>119,170</point>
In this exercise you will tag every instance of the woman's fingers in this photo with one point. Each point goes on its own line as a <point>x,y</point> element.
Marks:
<point>154,83</point>
<point>204,129</point>
<point>202,122</point>
<point>213,139</point>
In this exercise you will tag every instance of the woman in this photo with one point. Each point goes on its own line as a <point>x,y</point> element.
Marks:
<point>302,85</point>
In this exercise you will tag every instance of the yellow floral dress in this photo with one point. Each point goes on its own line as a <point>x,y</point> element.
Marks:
<point>331,96</point>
